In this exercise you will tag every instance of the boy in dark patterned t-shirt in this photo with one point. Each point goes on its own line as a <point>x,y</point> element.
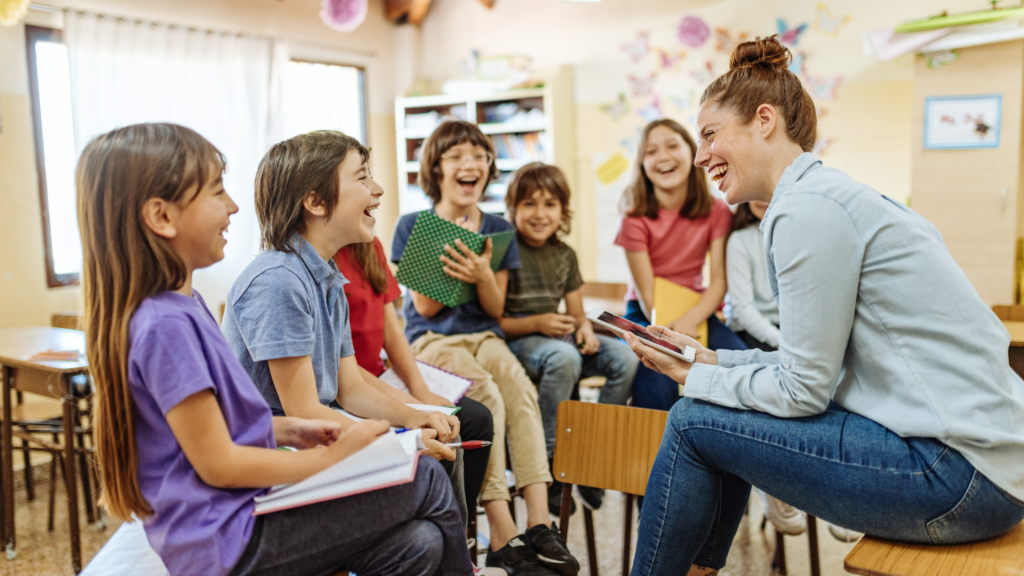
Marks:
<point>556,349</point>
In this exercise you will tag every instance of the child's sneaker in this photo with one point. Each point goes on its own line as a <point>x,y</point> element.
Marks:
<point>591,497</point>
<point>517,558</point>
<point>555,500</point>
<point>551,550</point>
<point>785,518</point>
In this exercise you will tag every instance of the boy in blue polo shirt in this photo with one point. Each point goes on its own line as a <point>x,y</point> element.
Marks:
<point>286,316</point>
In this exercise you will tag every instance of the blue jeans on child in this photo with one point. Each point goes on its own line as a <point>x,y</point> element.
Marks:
<point>557,366</point>
<point>657,391</point>
<point>838,466</point>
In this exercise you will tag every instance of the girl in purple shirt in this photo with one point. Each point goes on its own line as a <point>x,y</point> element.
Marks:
<point>185,440</point>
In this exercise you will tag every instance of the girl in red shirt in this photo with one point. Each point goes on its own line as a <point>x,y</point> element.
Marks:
<point>671,224</point>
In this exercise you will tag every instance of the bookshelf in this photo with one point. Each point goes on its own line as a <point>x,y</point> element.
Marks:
<point>524,126</point>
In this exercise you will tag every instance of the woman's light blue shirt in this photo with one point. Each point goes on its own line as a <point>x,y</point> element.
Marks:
<point>877,316</point>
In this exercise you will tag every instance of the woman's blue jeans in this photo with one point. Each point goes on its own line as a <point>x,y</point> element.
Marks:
<point>838,466</point>
<point>657,391</point>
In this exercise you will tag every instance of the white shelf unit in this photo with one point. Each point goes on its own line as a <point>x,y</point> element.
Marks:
<point>537,112</point>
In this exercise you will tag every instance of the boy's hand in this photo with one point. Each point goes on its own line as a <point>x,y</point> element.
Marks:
<point>447,427</point>
<point>434,448</point>
<point>552,324</point>
<point>462,264</point>
<point>358,436</point>
<point>302,434</point>
<point>586,339</point>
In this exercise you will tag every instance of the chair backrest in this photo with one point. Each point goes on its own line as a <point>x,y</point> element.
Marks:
<point>67,320</point>
<point>1009,313</point>
<point>604,446</point>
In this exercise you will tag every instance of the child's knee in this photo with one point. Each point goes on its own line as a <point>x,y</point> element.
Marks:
<point>424,548</point>
<point>562,356</point>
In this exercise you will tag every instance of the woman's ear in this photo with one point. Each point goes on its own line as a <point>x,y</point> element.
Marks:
<point>161,217</point>
<point>313,205</point>
<point>767,119</point>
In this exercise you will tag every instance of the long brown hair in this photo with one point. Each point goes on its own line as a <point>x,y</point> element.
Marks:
<point>540,176</point>
<point>289,171</point>
<point>123,263</point>
<point>364,256</point>
<point>639,199</point>
<point>450,133</point>
<point>759,74</point>
<point>743,217</point>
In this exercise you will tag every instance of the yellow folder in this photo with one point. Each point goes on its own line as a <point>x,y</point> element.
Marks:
<point>671,301</point>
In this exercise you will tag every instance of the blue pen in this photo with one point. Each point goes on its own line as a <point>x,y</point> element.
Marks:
<point>400,430</point>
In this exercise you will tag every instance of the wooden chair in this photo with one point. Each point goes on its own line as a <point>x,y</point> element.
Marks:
<point>610,447</point>
<point>997,556</point>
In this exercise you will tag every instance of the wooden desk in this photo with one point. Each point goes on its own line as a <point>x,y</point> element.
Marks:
<point>1002,556</point>
<point>47,378</point>
<point>1016,330</point>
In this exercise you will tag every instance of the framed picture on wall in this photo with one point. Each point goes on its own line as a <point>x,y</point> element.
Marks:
<point>955,122</point>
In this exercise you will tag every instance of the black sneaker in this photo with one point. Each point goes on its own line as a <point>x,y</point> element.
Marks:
<point>591,497</point>
<point>517,558</point>
<point>555,500</point>
<point>551,550</point>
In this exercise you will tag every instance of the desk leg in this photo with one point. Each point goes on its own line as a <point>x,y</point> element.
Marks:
<point>7,461</point>
<point>70,404</point>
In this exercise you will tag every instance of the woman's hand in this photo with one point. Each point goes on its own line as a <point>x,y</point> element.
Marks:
<point>358,436</point>
<point>703,355</point>
<point>685,326</point>
<point>302,433</point>
<point>447,427</point>
<point>552,324</point>
<point>462,264</point>
<point>586,339</point>
<point>435,449</point>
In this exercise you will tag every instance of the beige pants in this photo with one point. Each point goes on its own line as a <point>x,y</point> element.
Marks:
<point>500,383</point>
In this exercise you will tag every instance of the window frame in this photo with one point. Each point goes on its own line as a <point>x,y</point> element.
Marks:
<point>364,113</point>
<point>34,35</point>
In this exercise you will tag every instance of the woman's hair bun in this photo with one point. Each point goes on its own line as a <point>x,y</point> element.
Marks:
<point>763,53</point>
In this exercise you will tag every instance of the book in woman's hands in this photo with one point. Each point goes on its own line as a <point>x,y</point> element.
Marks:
<point>440,382</point>
<point>389,461</point>
<point>421,268</point>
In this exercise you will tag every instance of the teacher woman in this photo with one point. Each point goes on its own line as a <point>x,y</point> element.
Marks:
<point>890,407</point>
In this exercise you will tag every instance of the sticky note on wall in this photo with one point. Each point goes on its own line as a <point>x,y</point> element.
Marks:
<point>612,169</point>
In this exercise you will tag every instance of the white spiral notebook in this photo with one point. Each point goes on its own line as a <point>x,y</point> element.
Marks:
<point>389,461</point>
<point>440,382</point>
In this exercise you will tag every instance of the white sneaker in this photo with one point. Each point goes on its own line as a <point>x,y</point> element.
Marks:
<point>843,534</point>
<point>785,518</point>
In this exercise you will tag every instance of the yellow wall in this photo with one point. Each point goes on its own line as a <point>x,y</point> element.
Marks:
<point>869,122</point>
<point>24,296</point>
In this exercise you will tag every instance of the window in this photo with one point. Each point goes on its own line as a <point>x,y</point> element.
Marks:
<point>50,86</point>
<point>325,97</point>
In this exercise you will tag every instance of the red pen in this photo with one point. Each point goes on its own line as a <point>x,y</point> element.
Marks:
<point>468,445</point>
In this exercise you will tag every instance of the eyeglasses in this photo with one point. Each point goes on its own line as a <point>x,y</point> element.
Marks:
<point>482,159</point>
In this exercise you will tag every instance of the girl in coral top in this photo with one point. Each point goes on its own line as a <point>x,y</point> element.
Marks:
<point>671,225</point>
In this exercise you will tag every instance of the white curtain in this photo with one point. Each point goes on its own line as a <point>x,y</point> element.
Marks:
<point>226,87</point>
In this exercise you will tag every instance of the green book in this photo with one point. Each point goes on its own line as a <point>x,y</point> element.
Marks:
<point>421,268</point>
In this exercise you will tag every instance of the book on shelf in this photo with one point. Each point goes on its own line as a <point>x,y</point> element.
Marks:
<point>527,146</point>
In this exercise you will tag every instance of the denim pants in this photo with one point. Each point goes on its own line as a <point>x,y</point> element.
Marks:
<point>838,466</point>
<point>557,366</point>
<point>657,391</point>
<point>412,529</point>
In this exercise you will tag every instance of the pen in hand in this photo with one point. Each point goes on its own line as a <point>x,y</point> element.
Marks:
<point>468,445</point>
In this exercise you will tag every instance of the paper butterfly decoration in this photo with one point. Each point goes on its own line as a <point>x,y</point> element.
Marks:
<point>724,41</point>
<point>617,109</point>
<point>631,142</point>
<point>942,58</point>
<point>682,103</point>
<point>822,89</point>
<point>821,145</point>
<point>638,48</point>
<point>797,65</point>
<point>670,61</point>
<point>652,112</point>
<point>642,86</point>
<point>703,75</point>
<point>789,35</point>
<point>343,15</point>
<point>828,24</point>
<point>692,32</point>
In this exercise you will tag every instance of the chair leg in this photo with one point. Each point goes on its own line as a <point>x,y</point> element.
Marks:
<point>812,544</point>
<point>564,510</point>
<point>627,540</point>
<point>779,560</point>
<point>588,522</point>
<point>54,469</point>
<point>27,453</point>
